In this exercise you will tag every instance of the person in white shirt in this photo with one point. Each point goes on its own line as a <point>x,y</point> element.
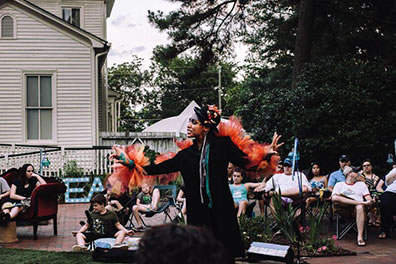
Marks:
<point>286,184</point>
<point>388,204</point>
<point>350,199</point>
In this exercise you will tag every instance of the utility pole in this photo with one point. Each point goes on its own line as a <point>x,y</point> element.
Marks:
<point>219,88</point>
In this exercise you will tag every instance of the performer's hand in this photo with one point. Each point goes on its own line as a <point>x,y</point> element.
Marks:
<point>130,233</point>
<point>116,155</point>
<point>274,144</point>
<point>120,156</point>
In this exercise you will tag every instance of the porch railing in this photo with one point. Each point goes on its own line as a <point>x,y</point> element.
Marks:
<point>92,160</point>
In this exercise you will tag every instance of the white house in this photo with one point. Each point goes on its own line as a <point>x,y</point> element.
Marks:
<point>53,71</point>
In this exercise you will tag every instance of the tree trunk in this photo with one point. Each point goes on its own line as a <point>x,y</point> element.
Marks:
<point>303,46</point>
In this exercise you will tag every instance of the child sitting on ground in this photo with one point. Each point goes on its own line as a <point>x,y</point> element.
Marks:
<point>104,224</point>
<point>239,191</point>
<point>147,200</point>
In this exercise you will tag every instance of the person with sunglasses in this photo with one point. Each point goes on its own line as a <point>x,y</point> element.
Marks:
<point>21,190</point>
<point>203,166</point>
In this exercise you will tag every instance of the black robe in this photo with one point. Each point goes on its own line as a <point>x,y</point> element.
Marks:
<point>221,218</point>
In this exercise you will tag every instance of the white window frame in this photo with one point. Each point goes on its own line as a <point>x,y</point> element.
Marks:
<point>73,6</point>
<point>53,75</point>
<point>14,25</point>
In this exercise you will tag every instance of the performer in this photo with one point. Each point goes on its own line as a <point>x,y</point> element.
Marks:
<point>203,166</point>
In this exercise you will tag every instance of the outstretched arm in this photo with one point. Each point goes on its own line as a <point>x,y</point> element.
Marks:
<point>250,185</point>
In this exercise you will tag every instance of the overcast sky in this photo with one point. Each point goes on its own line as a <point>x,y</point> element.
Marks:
<point>129,31</point>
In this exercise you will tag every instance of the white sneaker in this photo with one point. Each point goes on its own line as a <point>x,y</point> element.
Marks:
<point>78,248</point>
<point>121,246</point>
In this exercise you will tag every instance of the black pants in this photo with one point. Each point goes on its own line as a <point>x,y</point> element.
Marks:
<point>388,210</point>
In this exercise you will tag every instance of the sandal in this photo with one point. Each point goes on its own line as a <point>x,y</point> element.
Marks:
<point>361,243</point>
<point>382,235</point>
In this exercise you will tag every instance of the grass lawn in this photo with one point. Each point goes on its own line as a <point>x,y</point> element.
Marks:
<point>22,256</point>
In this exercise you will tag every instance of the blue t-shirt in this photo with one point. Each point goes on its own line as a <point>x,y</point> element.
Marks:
<point>239,192</point>
<point>335,177</point>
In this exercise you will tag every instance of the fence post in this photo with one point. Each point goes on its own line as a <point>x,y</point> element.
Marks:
<point>6,161</point>
<point>62,159</point>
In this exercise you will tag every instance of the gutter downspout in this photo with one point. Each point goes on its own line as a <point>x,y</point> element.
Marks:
<point>97,90</point>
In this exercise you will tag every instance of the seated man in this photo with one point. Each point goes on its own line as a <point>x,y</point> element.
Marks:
<point>348,199</point>
<point>147,200</point>
<point>286,185</point>
<point>104,224</point>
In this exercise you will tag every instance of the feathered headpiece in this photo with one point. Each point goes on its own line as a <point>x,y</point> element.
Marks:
<point>208,115</point>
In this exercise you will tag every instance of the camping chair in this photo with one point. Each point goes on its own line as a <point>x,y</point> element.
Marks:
<point>163,207</point>
<point>343,226</point>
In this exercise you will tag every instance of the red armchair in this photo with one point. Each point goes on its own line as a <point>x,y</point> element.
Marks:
<point>44,201</point>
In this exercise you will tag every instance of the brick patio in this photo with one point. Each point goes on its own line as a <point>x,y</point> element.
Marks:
<point>69,216</point>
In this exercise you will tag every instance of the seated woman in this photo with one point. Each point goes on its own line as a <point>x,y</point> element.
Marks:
<point>317,182</point>
<point>21,190</point>
<point>147,200</point>
<point>239,191</point>
<point>372,181</point>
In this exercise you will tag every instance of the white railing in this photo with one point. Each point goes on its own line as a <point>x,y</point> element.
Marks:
<point>92,160</point>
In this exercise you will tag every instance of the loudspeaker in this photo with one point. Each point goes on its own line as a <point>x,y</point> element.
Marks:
<point>266,251</point>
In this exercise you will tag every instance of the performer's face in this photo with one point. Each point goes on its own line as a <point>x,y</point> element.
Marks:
<point>195,128</point>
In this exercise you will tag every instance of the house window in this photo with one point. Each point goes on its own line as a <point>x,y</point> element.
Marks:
<point>39,107</point>
<point>71,15</point>
<point>7,27</point>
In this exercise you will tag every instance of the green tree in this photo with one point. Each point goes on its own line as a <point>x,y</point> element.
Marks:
<point>338,106</point>
<point>180,80</point>
<point>139,105</point>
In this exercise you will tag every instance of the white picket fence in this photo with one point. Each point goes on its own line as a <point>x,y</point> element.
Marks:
<point>93,161</point>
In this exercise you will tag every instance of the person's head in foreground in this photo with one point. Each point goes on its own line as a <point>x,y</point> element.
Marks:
<point>179,244</point>
<point>203,121</point>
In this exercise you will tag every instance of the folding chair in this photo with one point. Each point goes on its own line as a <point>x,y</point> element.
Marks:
<point>166,190</point>
<point>343,226</point>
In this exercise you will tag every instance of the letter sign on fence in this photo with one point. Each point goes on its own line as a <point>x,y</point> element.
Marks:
<point>96,186</point>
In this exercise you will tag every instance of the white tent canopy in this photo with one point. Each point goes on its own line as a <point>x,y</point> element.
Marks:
<point>176,124</point>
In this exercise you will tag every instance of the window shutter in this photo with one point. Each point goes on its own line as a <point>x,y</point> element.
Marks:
<point>7,27</point>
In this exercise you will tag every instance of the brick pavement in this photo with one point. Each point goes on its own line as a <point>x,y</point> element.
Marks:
<point>69,216</point>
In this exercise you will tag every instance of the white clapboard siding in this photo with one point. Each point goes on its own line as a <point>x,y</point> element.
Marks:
<point>41,47</point>
<point>93,17</point>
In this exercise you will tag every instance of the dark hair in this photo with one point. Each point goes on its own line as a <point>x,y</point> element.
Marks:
<point>310,174</point>
<point>22,172</point>
<point>242,172</point>
<point>179,244</point>
<point>367,160</point>
<point>99,199</point>
<point>209,116</point>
